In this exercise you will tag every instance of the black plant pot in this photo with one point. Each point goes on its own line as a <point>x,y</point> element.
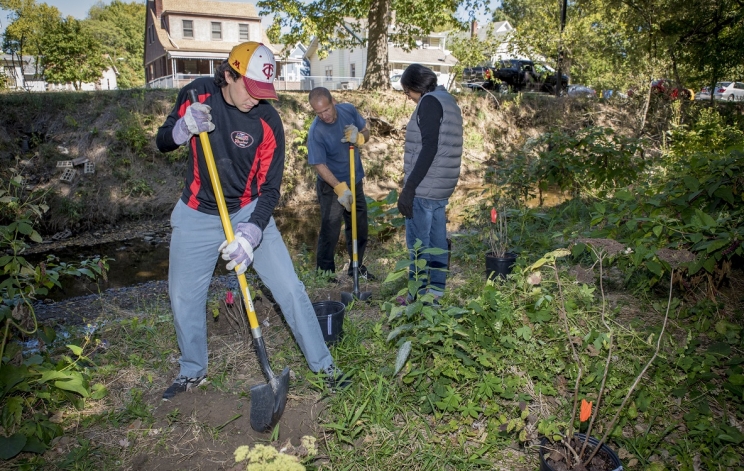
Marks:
<point>604,452</point>
<point>499,266</point>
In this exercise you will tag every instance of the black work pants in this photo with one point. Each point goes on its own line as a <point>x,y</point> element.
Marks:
<point>331,215</point>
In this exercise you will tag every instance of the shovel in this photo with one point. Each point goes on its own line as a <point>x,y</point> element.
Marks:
<point>267,400</point>
<point>347,297</point>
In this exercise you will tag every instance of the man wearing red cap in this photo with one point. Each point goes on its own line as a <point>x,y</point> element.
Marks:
<point>247,139</point>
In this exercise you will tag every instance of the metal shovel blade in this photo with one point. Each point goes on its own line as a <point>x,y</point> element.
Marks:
<point>268,402</point>
<point>347,298</point>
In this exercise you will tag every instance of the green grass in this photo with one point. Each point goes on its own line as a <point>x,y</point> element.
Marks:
<point>437,414</point>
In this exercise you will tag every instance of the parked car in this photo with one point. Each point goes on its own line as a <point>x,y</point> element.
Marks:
<point>582,91</point>
<point>703,94</point>
<point>471,74</point>
<point>670,90</point>
<point>729,91</point>
<point>395,82</point>
<point>520,74</point>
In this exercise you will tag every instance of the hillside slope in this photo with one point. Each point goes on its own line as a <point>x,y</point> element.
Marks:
<point>115,130</point>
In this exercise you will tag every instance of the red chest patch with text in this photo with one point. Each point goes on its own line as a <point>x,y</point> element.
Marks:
<point>242,139</point>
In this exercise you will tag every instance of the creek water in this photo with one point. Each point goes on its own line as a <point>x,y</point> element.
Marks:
<point>145,258</point>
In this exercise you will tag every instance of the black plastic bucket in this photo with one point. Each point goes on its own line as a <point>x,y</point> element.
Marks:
<point>499,267</point>
<point>331,319</point>
<point>609,454</point>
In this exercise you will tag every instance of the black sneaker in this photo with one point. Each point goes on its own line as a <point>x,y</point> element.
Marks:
<point>182,384</point>
<point>363,273</point>
<point>336,379</point>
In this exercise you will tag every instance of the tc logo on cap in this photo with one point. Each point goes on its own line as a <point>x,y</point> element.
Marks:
<point>255,62</point>
<point>268,71</point>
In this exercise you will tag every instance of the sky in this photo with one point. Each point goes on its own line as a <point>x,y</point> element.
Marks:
<point>78,8</point>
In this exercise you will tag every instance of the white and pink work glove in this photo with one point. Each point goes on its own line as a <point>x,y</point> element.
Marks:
<point>352,135</point>
<point>239,252</point>
<point>197,119</point>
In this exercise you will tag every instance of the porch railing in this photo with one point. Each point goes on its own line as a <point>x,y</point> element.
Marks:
<point>305,83</point>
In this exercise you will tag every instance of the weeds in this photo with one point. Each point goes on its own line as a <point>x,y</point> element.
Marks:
<point>489,370</point>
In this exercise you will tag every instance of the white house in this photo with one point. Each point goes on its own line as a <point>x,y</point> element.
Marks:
<point>499,33</point>
<point>22,75</point>
<point>345,68</point>
<point>293,67</point>
<point>186,39</point>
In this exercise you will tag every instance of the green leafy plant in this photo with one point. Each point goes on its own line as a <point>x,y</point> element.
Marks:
<point>418,269</point>
<point>498,234</point>
<point>592,159</point>
<point>42,381</point>
<point>693,208</point>
<point>578,457</point>
<point>383,216</point>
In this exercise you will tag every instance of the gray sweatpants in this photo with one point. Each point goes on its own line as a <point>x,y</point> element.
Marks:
<point>193,253</point>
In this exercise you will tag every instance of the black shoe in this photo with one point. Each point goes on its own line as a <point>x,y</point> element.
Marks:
<point>363,273</point>
<point>335,379</point>
<point>182,384</point>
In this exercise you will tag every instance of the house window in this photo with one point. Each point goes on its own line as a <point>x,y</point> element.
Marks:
<point>353,70</point>
<point>216,31</point>
<point>193,66</point>
<point>425,43</point>
<point>329,72</point>
<point>188,29</point>
<point>244,32</point>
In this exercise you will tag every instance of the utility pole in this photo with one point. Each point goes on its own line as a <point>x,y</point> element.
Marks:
<point>559,69</point>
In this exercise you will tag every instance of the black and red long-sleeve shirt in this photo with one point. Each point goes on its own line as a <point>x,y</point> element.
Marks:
<point>248,151</point>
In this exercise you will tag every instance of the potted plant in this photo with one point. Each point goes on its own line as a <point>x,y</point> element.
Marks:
<point>563,448</point>
<point>499,261</point>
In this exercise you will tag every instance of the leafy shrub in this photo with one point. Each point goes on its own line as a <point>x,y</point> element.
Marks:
<point>34,384</point>
<point>133,136</point>
<point>694,205</point>
<point>383,216</point>
<point>592,159</point>
<point>139,187</point>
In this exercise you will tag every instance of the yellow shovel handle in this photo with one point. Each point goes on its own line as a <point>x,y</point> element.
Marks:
<point>352,178</point>
<point>225,218</point>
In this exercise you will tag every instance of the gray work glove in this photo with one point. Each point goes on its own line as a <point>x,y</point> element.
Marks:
<point>197,119</point>
<point>239,252</point>
<point>352,135</point>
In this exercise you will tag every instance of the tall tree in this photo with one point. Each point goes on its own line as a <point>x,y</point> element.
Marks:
<point>120,27</point>
<point>616,43</point>
<point>72,54</point>
<point>703,44</point>
<point>29,23</point>
<point>343,23</point>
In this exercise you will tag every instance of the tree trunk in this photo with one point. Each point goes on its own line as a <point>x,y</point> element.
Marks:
<point>377,75</point>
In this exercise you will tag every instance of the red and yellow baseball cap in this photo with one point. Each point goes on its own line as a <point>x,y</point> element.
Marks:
<point>255,62</point>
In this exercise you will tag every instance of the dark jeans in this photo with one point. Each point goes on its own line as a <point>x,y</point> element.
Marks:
<point>429,225</point>
<point>331,215</point>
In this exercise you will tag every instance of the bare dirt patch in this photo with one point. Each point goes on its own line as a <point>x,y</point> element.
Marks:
<point>199,429</point>
<point>204,427</point>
